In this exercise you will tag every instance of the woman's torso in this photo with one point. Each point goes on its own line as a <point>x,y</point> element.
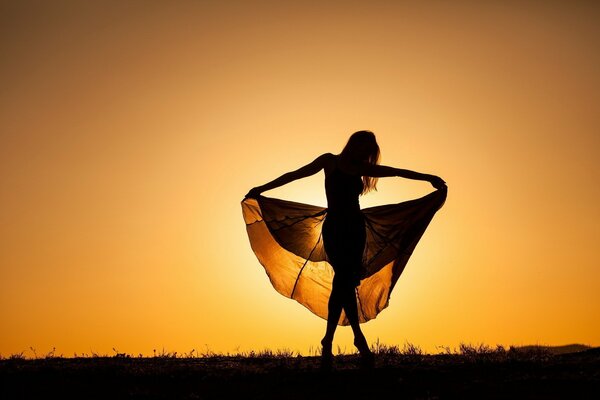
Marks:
<point>344,231</point>
<point>342,188</point>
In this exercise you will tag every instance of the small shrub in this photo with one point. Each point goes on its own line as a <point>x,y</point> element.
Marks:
<point>17,356</point>
<point>410,349</point>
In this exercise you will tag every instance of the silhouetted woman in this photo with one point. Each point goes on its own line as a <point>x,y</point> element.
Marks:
<point>344,232</point>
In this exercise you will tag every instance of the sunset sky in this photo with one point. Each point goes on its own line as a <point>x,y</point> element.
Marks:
<point>130,132</point>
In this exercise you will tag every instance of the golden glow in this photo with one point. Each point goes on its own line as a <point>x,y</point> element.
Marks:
<point>129,135</point>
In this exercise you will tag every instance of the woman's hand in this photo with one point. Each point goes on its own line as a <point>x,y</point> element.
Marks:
<point>253,193</point>
<point>436,182</point>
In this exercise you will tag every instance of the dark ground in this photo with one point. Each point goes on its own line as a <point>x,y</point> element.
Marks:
<point>532,374</point>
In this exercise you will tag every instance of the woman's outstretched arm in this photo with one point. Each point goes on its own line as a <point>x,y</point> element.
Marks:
<point>380,171</point>
<point>309,169</point>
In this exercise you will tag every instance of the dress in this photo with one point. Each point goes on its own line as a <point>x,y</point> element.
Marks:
<point>302,246</point>
<point>344,233</point>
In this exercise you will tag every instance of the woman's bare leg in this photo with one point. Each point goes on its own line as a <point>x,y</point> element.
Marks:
<point>334,312</point>
<point>351,309</point>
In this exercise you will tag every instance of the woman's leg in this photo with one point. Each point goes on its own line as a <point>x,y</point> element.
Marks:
<point>333,316</point>
<point>334,311</point>
<point>351,308</point>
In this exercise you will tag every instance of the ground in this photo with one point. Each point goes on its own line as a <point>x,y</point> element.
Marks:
<point>493,374</point>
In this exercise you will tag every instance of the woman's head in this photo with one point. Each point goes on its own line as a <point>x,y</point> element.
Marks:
<point>362,147</point>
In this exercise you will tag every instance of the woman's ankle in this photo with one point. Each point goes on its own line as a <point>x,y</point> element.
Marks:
<point>327,346</point>
<point>326,341</point>
<point>361,344</point>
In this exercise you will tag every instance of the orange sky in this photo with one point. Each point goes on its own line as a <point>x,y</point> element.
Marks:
<point>130,133</point>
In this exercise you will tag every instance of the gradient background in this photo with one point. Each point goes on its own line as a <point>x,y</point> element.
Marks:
<point>130,132</point>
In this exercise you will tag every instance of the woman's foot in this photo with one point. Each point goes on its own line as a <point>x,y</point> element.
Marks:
<point>362,345</point>
<point>367,357</point>
<point>326,355</point>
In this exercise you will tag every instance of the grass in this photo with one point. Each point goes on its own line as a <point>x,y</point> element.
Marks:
<point>465,351</point>
<point>406,371</point>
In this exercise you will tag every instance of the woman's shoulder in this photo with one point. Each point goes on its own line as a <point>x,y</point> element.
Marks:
<point>328,156</point>
<point>329,161</point>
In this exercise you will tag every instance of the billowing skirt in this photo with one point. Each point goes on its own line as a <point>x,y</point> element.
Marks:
<point>302,247</point>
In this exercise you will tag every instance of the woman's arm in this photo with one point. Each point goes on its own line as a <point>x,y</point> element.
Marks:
<point>380,171</point>
<point>309,169</point>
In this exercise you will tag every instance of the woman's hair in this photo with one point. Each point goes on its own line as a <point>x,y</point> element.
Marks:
<point>362,146</point>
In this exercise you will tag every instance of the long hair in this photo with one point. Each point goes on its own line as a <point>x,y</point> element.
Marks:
<point>362,147</point>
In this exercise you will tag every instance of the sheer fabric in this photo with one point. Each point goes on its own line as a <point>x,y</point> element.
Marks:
<point>286,237</point>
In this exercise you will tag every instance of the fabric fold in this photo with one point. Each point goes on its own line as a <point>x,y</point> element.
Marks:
<point>286,238</point>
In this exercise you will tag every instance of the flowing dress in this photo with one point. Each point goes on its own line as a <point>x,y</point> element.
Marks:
<point>303,247</point>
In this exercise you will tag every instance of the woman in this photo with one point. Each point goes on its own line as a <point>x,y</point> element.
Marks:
<point>348,175</point>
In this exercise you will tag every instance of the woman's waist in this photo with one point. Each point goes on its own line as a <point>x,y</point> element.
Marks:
<point>353,207</point>
<point>344,212</point>
<point>343,204</point>
<point>344,224</point>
